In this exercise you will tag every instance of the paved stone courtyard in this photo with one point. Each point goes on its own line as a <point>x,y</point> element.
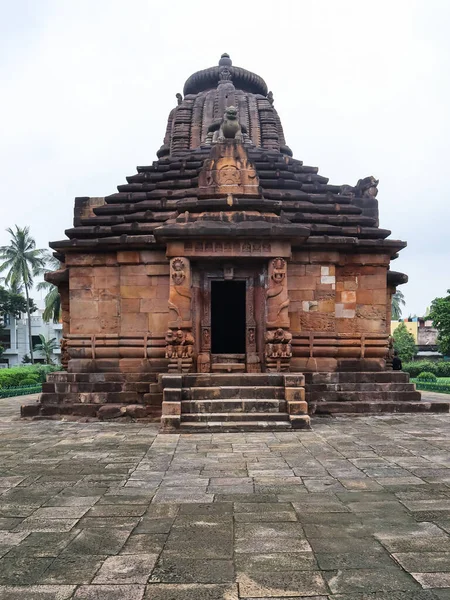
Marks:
<point>357,509</point>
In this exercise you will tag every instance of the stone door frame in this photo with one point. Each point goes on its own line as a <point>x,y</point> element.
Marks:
<point>255,276</point>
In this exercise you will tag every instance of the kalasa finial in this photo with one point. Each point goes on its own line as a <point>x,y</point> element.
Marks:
<point>225,60</point>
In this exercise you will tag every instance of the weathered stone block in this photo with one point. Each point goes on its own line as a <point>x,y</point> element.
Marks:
<point>170,423</point>
<point>294,394</point>
<point>300,421</point>
<point>172,394</point>
<point>30,410</point>
<point>171,408</point>
<point>298,408</point>
<point>294,380</point>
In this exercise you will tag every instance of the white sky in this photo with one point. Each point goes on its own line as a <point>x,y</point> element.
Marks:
<point>362,88</point>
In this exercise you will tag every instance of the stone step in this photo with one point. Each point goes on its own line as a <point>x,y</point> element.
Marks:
<point>233,426</point>
<point>228,367</point>
<point>357,377</point>
<point>91,410</point>
<point>233,380</point>
<point>63,376</point>
<point>361,396</point>
<point>228,391</point>
<point>105,386</point>
<point>92,397</point>
<point>349,408</point>
<point>360,387</point>
<point>233,416</point>
<point>232,405</point>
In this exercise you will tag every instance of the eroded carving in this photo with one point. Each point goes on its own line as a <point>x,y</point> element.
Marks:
<point>230,128</point>
<point>180,293</point>
<point>278,350</point>
<point>277,295</point>
<point>367,187</point>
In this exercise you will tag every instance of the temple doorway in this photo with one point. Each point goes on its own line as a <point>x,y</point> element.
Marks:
<point>228,319</point>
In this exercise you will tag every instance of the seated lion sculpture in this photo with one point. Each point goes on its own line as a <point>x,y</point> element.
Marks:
<point>230,127</point>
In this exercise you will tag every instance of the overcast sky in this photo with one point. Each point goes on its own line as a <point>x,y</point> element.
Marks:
<point>362,88</point>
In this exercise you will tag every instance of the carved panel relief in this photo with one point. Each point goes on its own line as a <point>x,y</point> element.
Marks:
<point>180,294</point>
<point>277,295</point>
<point>278,349</point>
<point>179,338</point>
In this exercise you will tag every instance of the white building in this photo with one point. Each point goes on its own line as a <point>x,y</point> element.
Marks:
<point>14,338</point>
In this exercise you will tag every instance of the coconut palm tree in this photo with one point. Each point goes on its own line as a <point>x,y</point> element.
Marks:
<point>398,300</point>
<point>52,310</point>
<point>47,347</point>
<point>22,261</point>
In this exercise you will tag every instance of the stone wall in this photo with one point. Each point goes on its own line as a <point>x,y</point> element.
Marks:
<point>338,310</point>
<point>118,305</point>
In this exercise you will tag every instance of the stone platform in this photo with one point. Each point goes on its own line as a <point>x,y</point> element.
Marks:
<point>214,402</point>
<point>357,509</point>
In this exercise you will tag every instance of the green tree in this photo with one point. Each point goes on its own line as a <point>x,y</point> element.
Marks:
<point>47,347</point>
<point>440,315</point>
<point>398,300</point>
<point>22,261</point>
<point>12,304</point>
<point>52,310</point>
<point>404,343</point>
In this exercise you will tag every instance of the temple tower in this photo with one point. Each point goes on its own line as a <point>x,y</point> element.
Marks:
<point>225,275</point>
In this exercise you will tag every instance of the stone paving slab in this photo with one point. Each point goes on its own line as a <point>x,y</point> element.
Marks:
<point>357,509</point>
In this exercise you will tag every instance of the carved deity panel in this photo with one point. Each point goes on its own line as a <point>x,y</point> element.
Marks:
<point>277,295</point>
<point>180,294</point>
<point>228,171</point>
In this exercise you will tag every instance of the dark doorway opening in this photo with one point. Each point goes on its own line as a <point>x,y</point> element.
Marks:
<point>228,317</point>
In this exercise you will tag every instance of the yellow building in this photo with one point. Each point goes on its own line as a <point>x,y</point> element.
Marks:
<point>412,327</point>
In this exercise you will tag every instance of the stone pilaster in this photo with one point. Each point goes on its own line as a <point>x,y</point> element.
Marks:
<point>179,338</point>
<point>278,350</point>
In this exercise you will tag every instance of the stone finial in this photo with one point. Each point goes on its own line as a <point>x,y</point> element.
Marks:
<point>179,98</point>
<point>225,60</point>
<point>270,98</point>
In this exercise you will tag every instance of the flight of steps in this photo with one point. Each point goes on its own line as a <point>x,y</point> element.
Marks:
<point>226,402</point>
<point>98,395</point>
<point>365,392</point>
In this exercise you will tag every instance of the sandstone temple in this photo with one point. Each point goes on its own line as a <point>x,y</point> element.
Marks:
<point>227,285</point>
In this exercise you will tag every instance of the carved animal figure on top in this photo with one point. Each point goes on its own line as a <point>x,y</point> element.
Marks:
<point>367,187</point>
<point>230,127</point>
<point>179,98</point>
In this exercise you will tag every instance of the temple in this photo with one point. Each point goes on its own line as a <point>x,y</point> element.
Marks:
<point>227,285</point>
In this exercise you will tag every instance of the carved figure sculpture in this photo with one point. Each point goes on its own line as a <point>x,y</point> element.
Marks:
<point>278,344</point>
<point>179,344</point>
<point>230,127</point>
<point>169,343</point>
<point>180,293</point>
<point>270,98</point>
<point>179,98</point>
<point>277,294</point>
<point>367,187</point>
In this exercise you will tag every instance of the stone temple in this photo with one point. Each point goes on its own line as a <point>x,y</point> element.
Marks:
<point>227,285</point>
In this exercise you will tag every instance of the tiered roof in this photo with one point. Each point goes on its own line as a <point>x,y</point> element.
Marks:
<point>163,199</point>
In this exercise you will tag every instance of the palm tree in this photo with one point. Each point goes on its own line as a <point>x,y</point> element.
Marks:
<point>22,261</point>
<point>52,300</point>
<point>47,347</point>
<point>398,300</point>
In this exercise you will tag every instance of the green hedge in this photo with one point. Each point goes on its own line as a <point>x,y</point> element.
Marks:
<point>10,392</point>
<point>440,368</point>
<point>13,377</point>
<point>426,376</point>
<point>431,386</point>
